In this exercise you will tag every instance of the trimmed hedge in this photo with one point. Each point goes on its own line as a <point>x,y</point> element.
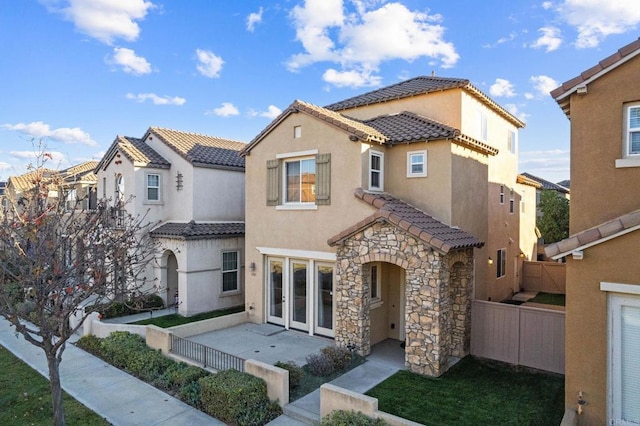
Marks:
<point>350,418</point>
<point>296,373</point>
<point>132,306</point>
<point>237,398</point>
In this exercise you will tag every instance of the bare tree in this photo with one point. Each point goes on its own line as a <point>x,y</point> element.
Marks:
<point>55,258</point>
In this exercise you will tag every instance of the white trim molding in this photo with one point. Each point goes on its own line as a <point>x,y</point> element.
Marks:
<point>297,154</point>
<point>620,288</point>
<point>301,254</point>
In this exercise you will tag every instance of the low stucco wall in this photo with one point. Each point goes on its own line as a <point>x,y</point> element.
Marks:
<point>277,379</point>
<point>212,324</point>
<point>102,329</point>
<point>333,398</point>
<point>159,338</point>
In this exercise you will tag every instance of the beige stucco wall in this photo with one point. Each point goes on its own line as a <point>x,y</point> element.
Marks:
<point>587,338</point>
<point>528,237</point>
<point>599,190</point>
<point>267,226</point>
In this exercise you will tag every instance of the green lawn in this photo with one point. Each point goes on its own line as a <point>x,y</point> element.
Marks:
<point>474,392</point>
<point>25,398</point>
<point>549,299</point>
<point>172,320</point>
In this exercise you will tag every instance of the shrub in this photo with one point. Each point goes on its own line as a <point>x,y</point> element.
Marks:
<point>132,306</point>
<point>350,418</point>
<point>234,397</point>
<point>320,365</point>
<point>91,344</point>
<point>148,364</point>
<point>121,346</point>
<point>179,374</point>
<point>190,393</point>
<point>295,372</point>
<point>341,357</point>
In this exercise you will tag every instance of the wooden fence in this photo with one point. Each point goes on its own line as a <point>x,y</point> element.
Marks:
<point>519,335</point>
<point>549,277</point>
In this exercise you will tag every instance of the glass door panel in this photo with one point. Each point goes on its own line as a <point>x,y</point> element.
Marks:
<point>324,299</point>
<point>298,291</point>
<point>276,295</point>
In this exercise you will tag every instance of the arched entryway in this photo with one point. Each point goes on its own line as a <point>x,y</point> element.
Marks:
<point>170,278</point>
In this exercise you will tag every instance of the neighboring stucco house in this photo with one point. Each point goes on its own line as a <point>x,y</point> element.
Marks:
<point>190,187</point>
<point>603,267</point>
<point>79,186</point>
<point>375,217</point>
<point>546,185</point>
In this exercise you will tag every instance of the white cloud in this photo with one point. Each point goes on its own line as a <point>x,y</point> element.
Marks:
<point>40,130</point>
<point>502,40</point>
<point>157,100</point>
<point>253,19</point>
<point>129,61</point>
<point>550,39</point>
<point>226,110</point>
<point>105,20</point>
<point>515,110</point>
<point>596,19</point>
<point>502,88</point>
<point>552,165</point>
<point>36,156</point>
<point>546,5</point>
<point>351,78</point>
<point>361,40</point>
<point>209,65</point>
<point>542,84</point>
<point>271,112</point>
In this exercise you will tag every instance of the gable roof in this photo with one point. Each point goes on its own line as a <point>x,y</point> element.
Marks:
<point>546,184</point>
<point>199,231</point>
<point>524,180</point>
<point>408,127</point>
<point>82,172</point>
<point>355,127</point>
<point>134,149</point>
<point>419,86</point>
<point>27,181</point>
<point>201,150</point>
<point>413,221</point>
<point>593,236</point>
<point>563,93</point>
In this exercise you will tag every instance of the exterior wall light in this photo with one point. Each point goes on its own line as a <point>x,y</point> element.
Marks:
<point>490,261</point>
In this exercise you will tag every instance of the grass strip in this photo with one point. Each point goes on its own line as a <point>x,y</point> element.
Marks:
<point>172,320</point>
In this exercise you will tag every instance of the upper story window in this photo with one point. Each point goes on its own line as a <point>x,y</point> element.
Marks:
<point>511,141</point>
<point>297,132</point>
<point>632,124</point>
<point>153,187</point>
<point>501,194</point>
<point>300,181</point>
<point>230,271</point>
<point>72,196</point>
<point>416,164</point>
<point>512,203</point>
<point>119,190</point>
<point>376,170</point>
<point>482,125</point>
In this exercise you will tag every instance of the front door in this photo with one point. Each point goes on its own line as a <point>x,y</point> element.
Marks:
<point>276,295</point>
<point>299,291</point>
<point>324,299</point>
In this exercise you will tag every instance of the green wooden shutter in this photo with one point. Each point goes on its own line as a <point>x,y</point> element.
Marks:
<point>273,182</point>
<point>323,179</point>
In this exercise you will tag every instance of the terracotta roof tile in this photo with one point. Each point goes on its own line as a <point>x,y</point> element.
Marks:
<point>28,180</point>
<point>596,235</point>
<point>138,152</point>
<point>199,231</point>
<point>417,223</point>
<point>546,184</point>
<point>201,150</point>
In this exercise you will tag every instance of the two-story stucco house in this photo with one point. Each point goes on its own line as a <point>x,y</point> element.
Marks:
<point>190,188</point>
<point>378,212</point>
<point>603,267</point>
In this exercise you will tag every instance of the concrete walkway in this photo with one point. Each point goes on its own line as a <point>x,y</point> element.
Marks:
<point>115,395</point>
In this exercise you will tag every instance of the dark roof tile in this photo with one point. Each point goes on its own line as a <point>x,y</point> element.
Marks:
<point>199,231</point>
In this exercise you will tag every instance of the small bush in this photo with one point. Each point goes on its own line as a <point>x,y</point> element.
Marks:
<point>91,344</point>
<point>132,306</point>
<point>295,372</point>
<point>350,418</point>
<point>320,365</point>
<point>148,364</point>
<point>341,357</point>
<point>234,397</point>
<point>190,393</point>
<point>121,346</point>
<point>179,374</point>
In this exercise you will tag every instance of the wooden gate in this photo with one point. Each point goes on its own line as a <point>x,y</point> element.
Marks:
<point>549,277</point>
<point>520,335</point>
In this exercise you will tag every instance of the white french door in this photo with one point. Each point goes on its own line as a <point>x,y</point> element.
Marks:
<point>299,294</point>
<point>624,352</point>
<point>275,291</point>
<point>324,315</point>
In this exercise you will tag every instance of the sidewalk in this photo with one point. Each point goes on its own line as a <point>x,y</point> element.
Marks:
<point>113,394</point>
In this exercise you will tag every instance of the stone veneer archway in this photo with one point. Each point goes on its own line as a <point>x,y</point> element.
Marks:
<point>437,295</point>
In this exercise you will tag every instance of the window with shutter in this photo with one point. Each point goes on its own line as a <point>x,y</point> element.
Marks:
<point>323,179</point>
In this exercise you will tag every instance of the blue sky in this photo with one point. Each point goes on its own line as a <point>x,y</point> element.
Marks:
<point>76,73</point>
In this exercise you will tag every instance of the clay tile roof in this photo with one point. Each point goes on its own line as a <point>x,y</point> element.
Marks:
<point>419,86</point>
<point>523,180</point>
<point>546,184</point>
<point>593,236</point>
<point>138,152</point>
<point>199,231</point>
<point>562,94</point>
<point>202,150</point>
<point>28,180</point>
<point>413,221</point>
<point>408,127</point>
<point>81,172</point>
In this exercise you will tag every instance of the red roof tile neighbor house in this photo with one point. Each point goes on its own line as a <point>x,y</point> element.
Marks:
<point>603,265</point>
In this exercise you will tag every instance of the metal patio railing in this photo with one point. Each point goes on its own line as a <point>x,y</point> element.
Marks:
<point>208,357</point>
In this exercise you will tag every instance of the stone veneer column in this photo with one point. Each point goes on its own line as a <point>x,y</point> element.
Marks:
<point>461,290</point>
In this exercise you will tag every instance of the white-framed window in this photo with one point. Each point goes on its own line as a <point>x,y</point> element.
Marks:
<point>375,283</point>
<point>376,170</point>
<point>72,197</point>
<point>512,203</point>
<point>511,141</point>
<point>153,186</point>
<point>632,130</point>
<point>300,181</point>
<point>501,263</point>
<point>482,125</point>
<point>624,374</point>
<point>230,271</point>
<point>501,194</point>
<point>416,163</point>
<point>297,132</point>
